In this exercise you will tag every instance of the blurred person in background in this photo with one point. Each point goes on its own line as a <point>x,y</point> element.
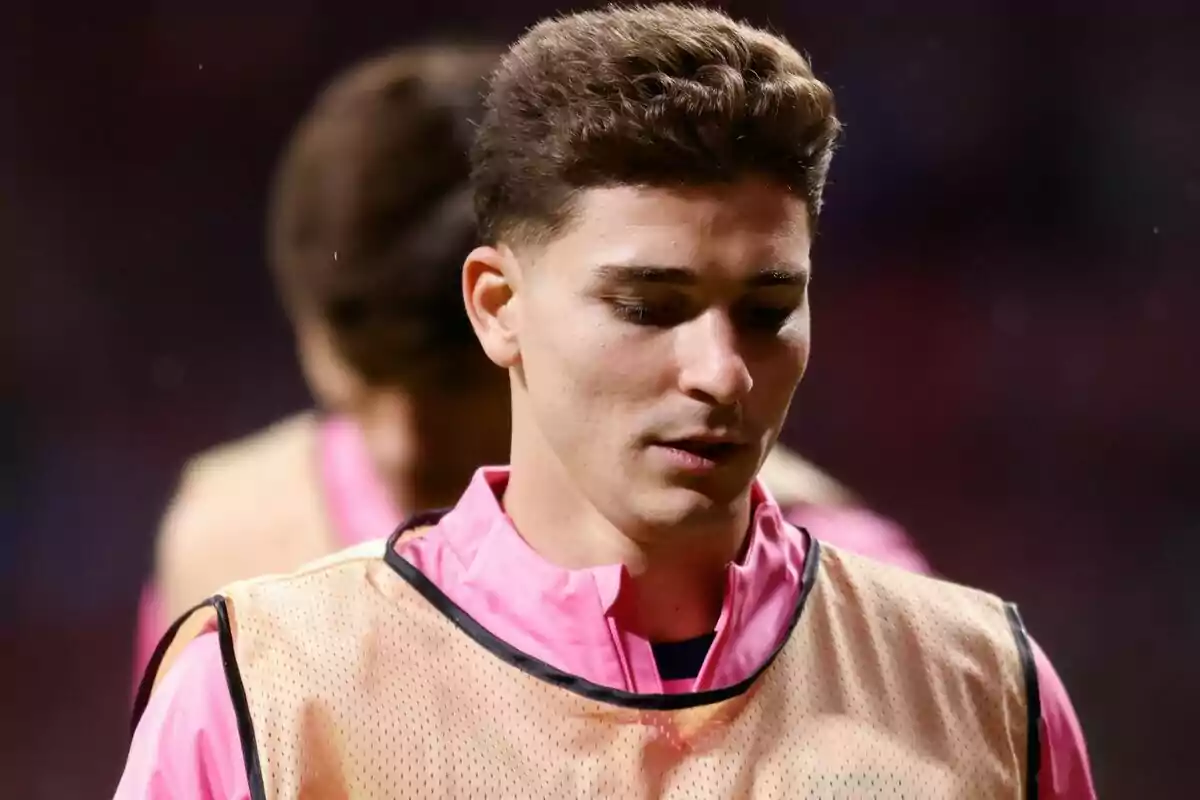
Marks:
<point>623,610</point>
<point>370,216</point>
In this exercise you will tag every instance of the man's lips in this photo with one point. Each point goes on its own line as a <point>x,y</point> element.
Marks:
<point>701,451</point>
<point>703,448</point>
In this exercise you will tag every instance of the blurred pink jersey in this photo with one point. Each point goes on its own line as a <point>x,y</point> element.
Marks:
<point>226,525</point>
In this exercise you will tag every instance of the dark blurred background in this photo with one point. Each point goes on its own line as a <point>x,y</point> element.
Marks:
<point>1004,314</point>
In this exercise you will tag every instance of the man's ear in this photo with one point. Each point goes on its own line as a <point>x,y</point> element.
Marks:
<point>489,278</point>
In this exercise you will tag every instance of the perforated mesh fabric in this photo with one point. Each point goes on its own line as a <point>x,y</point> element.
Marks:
<point>890,686</point>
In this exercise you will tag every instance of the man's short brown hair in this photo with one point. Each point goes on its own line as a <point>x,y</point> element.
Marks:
<point>370,212</point>
<point>658,96</point>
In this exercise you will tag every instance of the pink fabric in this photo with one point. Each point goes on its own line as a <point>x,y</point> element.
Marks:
<point>359,507</point>
<point>187,743</point>
<point>564,617</point>
<point>358,500</point>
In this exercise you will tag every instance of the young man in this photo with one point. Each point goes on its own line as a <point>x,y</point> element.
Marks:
<point>623,611</point>
<point>370,216</point>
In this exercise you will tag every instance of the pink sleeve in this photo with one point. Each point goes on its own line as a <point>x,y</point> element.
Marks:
<point>1065,773</point>
<point>860,531</point>
<point>187,743</point>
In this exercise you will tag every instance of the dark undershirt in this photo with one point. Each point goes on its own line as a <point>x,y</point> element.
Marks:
<point>678,661</point>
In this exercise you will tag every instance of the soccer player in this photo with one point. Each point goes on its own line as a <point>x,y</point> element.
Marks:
<point>370,217</point>
<point>622,611</point>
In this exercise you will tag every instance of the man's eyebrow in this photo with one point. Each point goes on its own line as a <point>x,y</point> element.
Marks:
<point>780,276</point>
<point>680,276</point>
<point>646,273</point>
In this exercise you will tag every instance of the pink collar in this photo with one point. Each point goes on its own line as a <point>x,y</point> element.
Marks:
<point>358,502</point>
<point>563,617</point>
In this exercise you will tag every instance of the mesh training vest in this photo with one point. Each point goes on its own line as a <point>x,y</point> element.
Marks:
<point>357,678</point>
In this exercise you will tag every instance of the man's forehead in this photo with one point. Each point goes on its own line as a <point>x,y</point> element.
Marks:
<point>750,204</point>
<point>753,233</point>
<point>763,276</point>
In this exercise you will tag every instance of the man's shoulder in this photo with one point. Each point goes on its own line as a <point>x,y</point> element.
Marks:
<point>233,470</point>
<point>247,485</point>
<point>355,562</point>
<point>894,581</point>
<point>242,508</point>
<point>312,574</point>
<point>890,592</point>
<point>360,572</point>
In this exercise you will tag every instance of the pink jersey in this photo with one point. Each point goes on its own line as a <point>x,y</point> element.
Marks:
<point>187,743</point>
<point>357,503</point>
<point>360,505</point>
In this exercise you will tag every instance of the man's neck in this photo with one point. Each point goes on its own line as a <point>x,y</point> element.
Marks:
<point>675,582</point>
<point>672,602</point>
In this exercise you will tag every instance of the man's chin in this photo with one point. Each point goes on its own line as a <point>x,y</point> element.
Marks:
<point>714,491</point>
<point>683,505</point>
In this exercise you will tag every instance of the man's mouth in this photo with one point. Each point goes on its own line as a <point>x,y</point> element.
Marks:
<point>714,450</point>
<point>702,453</point>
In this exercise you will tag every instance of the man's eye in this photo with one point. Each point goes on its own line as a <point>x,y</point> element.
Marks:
<point>661,313</point>
<point>767,319</point>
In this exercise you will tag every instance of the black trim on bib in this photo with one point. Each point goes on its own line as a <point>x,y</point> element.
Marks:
<point>419,520</point>
<point>241,708</point>
<point>1033,703</point>
<point>573,683</point>
<point>146,684</point>
<point>233,679</point>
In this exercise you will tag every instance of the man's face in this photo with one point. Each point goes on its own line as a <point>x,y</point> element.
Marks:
<point>660,340</point>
